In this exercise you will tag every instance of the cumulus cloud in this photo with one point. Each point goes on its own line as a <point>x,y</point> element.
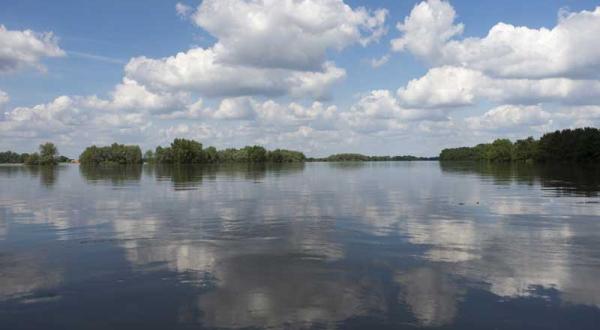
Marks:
<point>226,93</point>
<point>20,49</point>
<point>427,29</point>
<point>59,116</point>
<point>262,48</point>
<point>380,111</point>
<point>293,115</point>
<point>511,117</point>
<point>235,108</point>
<point>129,95</point>
<point>579,116</point>
<point>199,70</point>
<point>450,86</point>
<point>285,34</point>
<point>507,50</point>
<point>129,108</point>
<point>519,70</point>
<point>273,114</point>
<point>130,111</point>
<point>265,47</point>
<point>193,131</point>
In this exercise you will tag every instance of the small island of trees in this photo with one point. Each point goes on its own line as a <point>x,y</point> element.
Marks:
<point>114,154</point>
<point>183,151</point>
<point>573,145</point>
<point>353,157</point>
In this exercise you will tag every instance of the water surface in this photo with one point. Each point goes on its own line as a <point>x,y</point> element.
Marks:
<point>320,245</point>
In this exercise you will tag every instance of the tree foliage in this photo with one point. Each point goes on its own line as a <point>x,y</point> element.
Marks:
<point>578,145</point>
<point>48,155</point>
<point>10,157</point>
<point>582,144</point>
<point>33,159</point>
<point>285,156</point>
<point>113,154</point>
<point>183,151</point>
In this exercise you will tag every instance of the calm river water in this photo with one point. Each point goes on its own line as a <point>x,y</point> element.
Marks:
<point>319,245</point>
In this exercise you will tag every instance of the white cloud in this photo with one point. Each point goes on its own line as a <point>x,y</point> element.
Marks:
<point>20,49</point>
<point>92,120</point>
<point>294,115</point>
<point>285,34</point>
<point>199,132</point>
<point>427,29</point>
<point>377,104</point>
<point>270,113</point>
<point>183,10</point>
<point>59,116</point>
<point>519,69</point>
<point>449,86</point>
<point>263,49</point>
<point>126,110</point>
<point>235,108</point>
<point>507,51</point>
<point>580,116</point>
<point>442,87</point>
<point>510,117</point>
<point>317,84</point>
<point>199,70</point>
<point>129,95</point>
<point>380,112</point>
<point>377,62</point>
<point>266,47</point>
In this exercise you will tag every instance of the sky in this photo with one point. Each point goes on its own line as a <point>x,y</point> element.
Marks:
<point>320,76</point>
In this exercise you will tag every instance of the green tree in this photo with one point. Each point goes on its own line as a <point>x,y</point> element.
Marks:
<point>187,151</point>
<point>211,155</point>
<point>285,156</point>
<point>113,154</point>
<point>33,159</point>
<point>149,156</point>
<point>500,151</point>
<point>48,153</point>
<point>525,150</point>
<point>256,154</point>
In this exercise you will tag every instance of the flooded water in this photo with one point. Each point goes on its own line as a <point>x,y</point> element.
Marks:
<point>319,245</point>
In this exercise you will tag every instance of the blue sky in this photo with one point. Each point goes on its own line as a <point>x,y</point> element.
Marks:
<point>66,91</point>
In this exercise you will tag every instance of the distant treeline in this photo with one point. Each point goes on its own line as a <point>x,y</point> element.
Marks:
<point>47,155</point>
<point>182,151</point>
<point>350,157</point>
<point>577,145</point>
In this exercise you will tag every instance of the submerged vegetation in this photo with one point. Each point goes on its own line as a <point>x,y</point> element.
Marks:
<point>575,145</point>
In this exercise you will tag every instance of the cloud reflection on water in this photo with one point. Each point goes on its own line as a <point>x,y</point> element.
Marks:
<point>316,245</point>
